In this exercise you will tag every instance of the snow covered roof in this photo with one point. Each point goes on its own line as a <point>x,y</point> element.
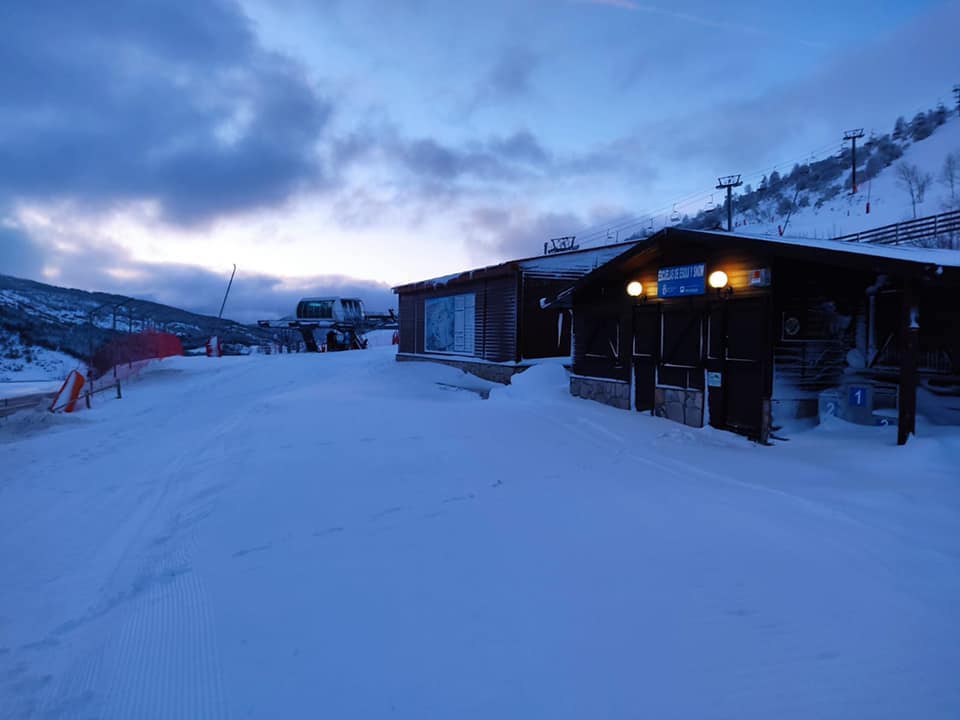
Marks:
<point>904,253</point>
<point>567,265</point>
<point>573,265</point>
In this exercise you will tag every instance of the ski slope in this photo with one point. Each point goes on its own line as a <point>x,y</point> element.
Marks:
<point>342,535</point>
<point>889,201</point>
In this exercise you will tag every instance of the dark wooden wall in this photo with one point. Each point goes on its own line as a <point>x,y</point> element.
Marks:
<point>673,342</point>
<point>538,330</point>
<point>603,321</point>
<point>498,326</point>
<point>495,317</point>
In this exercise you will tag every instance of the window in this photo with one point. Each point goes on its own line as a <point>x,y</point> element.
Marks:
<point>604,338</point>
<point>682,337</point>
<point>681,363</point>
<point>450,324</point>
<point>315,310</point>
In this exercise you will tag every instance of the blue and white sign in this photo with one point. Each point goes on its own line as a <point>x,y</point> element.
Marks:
<point>857,396</point>
<point>681,280</point>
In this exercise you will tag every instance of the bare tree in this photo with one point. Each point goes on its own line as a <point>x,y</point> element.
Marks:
<point>950,177</point>
<point>915,182</point>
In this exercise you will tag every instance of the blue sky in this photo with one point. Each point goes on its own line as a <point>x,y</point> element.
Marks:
<point>346,145</point>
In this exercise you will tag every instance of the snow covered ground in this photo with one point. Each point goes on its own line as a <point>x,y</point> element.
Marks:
<point>343,535</point>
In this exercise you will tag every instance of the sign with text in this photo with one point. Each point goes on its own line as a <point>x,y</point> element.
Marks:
<point>681,280</point>
<point>857,396</point>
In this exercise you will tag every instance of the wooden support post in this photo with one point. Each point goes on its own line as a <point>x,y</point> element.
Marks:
<point>909,342</point>
<point>765,421</point>
<point>119,396</point>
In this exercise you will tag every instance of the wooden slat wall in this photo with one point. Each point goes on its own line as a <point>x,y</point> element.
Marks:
<point>495,315</point>
<point>500,319</point>
<point>408,310</point>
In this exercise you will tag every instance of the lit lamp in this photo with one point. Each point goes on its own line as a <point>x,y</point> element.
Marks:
<point>635,289</point>
<point>718,281</point>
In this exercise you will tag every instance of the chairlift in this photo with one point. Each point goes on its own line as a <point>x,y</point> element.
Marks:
<point>710,204</point>
<point>674,216</point>
<point>648,229</point>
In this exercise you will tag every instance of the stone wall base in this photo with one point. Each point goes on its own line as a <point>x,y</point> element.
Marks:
<point>683,406</point>
<point>488,371</point>
<point>604,390</point>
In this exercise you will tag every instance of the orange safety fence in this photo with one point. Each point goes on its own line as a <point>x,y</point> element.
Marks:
<point>128,354</point>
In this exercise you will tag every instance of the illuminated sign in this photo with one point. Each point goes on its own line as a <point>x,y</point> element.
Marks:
<point>681,280</point>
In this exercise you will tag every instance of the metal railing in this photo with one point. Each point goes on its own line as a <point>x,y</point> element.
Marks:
<point>9,406</point>
<point>87,394</point>
<point>941,230</point>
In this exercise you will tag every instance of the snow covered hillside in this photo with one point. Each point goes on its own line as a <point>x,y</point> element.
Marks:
<point>22,362</point>
<point>889,199</point>
<point>812,198</point>
<point>342,535</point>
<point>74,323</point>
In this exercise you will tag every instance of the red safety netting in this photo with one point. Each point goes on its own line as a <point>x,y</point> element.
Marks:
<point>129,351</point>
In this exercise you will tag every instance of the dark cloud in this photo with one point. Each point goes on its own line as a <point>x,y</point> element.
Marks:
<point>19,255</point>
<point>522,146</point>
<point>499,234</point>
<point>498,158</point>
<point>510,77</point>
<point>898,74</point>
<point>253,296</point>
<point>172,102</point>
<point>108,268</point>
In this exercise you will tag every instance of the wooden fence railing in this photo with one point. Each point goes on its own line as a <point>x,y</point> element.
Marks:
<point>941,230</point>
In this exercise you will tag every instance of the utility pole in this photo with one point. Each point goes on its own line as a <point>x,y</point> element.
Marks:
<point>728,183</point>
<point>852,135</point>
<point>220,314</point>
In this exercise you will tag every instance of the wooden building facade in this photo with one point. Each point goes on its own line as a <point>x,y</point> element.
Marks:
<point>490,321</point>
<point>748,333</point>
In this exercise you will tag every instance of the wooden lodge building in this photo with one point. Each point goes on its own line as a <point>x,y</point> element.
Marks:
<point>490,321</point>
<point>740,332</point>
<point>748,333</point>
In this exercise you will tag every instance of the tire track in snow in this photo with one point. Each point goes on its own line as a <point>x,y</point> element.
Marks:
<point>67,672</point>
<point>169,665</point>
<point>155,652</point>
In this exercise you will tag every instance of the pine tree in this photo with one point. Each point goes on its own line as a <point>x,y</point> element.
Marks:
<point>900,129</point>
<point>940,114</point>
<point>920,126</point>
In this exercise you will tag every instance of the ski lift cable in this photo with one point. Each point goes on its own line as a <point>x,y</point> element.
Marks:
<point>601,231</point>
<point>633,220</point>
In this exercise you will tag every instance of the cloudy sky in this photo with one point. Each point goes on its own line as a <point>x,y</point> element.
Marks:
<point>348,145</point>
